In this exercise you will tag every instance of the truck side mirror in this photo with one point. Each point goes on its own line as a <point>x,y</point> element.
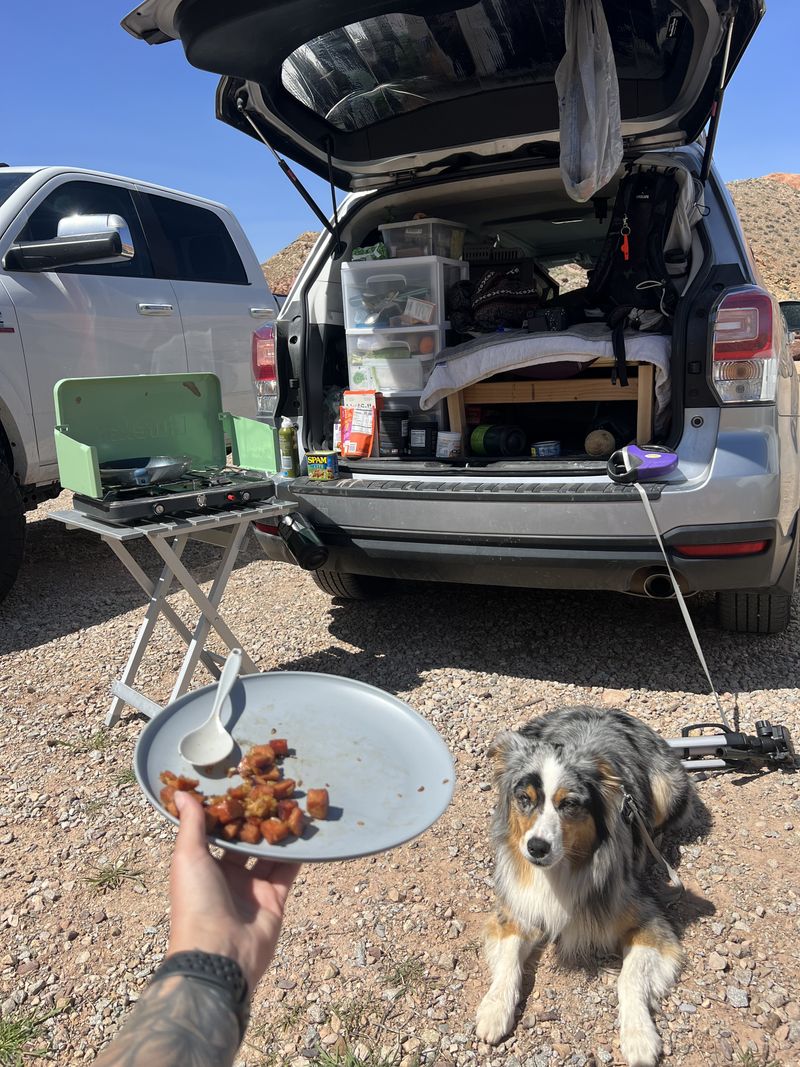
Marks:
<point>92,239</point>
<point>85,225</point>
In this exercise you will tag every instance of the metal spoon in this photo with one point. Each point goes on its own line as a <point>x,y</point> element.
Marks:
<point>211,742</point>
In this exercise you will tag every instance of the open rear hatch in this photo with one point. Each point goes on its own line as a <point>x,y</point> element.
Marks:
<point>367,93</point>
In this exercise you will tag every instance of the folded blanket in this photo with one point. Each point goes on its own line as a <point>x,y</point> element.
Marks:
<point>497,353</point>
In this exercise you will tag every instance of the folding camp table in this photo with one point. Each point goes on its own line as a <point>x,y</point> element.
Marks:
<point>225,530</point>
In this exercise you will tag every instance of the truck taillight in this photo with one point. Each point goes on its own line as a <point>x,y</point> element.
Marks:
<point>744,365</point>
<point>265,371</point>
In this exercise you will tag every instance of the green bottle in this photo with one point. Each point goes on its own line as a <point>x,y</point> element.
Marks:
<point>290,457</point>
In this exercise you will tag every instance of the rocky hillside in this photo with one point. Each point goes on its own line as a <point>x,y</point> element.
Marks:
<point>770,212</point>
<point>769,208</point>
<point>281,269</point>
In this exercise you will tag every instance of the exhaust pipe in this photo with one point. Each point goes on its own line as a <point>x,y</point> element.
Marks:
<point>658,586</point>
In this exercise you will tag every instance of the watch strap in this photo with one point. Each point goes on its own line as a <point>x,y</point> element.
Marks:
<point>221,972</point>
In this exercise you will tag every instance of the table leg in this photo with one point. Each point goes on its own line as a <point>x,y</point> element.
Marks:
<point>158,592</point>
<point>211,661</point>
<point>208,605</point>
<point>455,412</point>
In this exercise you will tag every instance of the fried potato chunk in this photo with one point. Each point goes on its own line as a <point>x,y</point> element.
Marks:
<point>285,808</point>
<point>226,809</point>
<point>179,781</point>
<point>250,833</point>
<point>317,801</point>
<point>274,831</point>
<point>167,796</point>
<point>296,822</point>
<point>284,788</point>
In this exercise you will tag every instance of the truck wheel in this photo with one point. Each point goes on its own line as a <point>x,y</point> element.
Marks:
<point>754,613</point>
<point>348,586</point>
<point>12,530</point>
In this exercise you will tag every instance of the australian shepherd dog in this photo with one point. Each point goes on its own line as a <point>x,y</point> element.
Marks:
<point>569,861</point>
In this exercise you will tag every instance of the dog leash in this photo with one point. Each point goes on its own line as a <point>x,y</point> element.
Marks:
<point>633,465</point>
<point>682,604</point>
<point>630,812</point>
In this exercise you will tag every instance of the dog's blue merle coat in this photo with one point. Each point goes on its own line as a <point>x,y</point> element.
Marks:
<point>601,755</point>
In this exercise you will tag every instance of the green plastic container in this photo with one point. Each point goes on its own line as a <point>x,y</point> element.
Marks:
<point>102,419</point>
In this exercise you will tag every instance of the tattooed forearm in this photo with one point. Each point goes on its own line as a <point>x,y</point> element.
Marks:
<point>179,1022</point>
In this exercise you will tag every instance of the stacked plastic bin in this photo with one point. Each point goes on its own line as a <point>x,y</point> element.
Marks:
<point>395,320</point>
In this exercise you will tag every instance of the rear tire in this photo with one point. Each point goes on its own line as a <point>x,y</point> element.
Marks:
<point>754,613</point>
<point>12,530</point>
<point>348,586</point>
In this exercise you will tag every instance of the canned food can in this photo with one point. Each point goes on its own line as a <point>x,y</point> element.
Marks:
<point>323,466</point>
<point>545,449</point>
<point>449,445</point>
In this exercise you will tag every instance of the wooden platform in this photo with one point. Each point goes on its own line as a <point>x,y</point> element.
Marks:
<point>582,388</point>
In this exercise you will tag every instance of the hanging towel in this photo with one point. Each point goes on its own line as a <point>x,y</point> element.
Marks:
<point>588,102</point>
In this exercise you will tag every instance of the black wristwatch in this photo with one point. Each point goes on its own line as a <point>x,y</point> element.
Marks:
<point>221,972</point>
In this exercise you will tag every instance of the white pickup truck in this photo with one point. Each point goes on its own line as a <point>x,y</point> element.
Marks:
<point>102,275</point>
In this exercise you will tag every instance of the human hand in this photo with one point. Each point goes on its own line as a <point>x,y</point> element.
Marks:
<point>219,906</point>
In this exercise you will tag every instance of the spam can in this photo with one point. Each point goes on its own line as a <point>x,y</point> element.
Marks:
<point>323,466</point>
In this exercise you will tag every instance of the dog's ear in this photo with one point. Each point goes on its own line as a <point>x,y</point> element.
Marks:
<point>609,781</point>
<point>499,751</point>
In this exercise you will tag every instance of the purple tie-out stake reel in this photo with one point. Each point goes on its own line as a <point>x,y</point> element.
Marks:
<point>635,464</point>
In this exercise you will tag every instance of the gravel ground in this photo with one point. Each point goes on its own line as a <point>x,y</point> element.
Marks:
<point>381,957</point>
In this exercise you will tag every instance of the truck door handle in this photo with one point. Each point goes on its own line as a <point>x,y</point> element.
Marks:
<point>154,309</point>
<point>263,313</point>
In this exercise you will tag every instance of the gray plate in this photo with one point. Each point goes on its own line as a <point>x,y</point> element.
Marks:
<point>388,772</point>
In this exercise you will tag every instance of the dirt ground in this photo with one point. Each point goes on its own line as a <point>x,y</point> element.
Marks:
<point>380,959</point>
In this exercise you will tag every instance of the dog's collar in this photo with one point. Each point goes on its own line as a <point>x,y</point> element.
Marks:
<point>630,813</point>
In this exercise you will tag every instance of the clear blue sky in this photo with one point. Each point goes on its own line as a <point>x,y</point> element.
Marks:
<point>80,91</point>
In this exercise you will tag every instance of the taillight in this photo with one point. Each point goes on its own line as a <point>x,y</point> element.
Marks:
<point>727,549</point>
<point>744,363</point>
<point>265,370</point>
<point>267,528</point>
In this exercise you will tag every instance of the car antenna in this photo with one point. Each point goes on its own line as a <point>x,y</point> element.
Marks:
<point>716,107</point>
<point>290,174</point>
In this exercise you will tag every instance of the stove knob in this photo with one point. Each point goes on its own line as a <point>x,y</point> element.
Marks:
<point>245,495</point>
<point>201,500</point>
<point>231,497</point>
<point>159,509</point>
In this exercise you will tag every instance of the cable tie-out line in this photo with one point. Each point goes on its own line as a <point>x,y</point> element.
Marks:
<point>682,604</point>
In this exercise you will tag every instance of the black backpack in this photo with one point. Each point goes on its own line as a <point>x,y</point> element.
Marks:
<point>632,272</point>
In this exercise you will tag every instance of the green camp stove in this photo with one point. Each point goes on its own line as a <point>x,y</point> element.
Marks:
<point>146,447</point>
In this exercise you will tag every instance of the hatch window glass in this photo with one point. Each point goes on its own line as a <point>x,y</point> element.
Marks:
<point>382,67</point>
<point>90,198</point>
<point>196,245</point>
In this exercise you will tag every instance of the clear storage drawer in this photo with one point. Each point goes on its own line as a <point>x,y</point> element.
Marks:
<point>424,237</point>
<point>392,361</point>
<point>390,294</point>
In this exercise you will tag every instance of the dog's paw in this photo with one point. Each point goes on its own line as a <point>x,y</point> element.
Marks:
<point>493,1021</point>
<point>641,1045</point>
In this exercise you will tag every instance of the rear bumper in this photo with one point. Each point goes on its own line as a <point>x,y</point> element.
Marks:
<point>361,544</point>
